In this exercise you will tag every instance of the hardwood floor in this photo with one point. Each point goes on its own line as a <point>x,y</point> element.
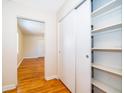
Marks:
<point>31,79</point>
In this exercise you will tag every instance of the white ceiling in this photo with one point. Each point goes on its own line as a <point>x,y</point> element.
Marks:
<point>37,28</point>
<point>47,5</point>
<point>29,27</point>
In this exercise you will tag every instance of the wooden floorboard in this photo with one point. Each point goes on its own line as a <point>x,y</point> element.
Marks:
<point>31,79</point>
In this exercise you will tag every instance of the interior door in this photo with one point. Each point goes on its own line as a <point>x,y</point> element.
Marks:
<point>83,63</point>
<point>68,51</point>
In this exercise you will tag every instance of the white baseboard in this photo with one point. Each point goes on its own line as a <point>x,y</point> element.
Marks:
<point>8,87</point>
<point>51,77</point>
<point>20,63</point>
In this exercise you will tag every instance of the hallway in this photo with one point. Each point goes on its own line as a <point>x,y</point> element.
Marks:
<point>62,46</point>
<point>31,79</point>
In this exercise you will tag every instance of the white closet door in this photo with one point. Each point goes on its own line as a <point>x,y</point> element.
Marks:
<point>83,64</point>
<point>60,50</point>
<point>68,51</point>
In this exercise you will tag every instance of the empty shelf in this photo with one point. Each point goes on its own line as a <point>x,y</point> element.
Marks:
<point>108,69</point>
<point>110,5</point>
<point>107,49</point>
<point>114,26</point>
<point>104,87</point>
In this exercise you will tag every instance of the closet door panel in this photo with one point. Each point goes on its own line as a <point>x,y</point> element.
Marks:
<point>68,51</point>
<point>60,50</point>
<point>83,63</point>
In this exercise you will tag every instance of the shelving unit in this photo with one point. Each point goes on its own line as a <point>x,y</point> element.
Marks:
<point>113,26</point>
<point>105,45</point>
<point>108,69</point>
<point>110,5</point>
<point>106,88</point>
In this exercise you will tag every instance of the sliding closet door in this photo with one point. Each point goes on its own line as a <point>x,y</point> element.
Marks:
<point>60,50</point>
<point>75,48</point>
<point>68,51</point>
<point>83,64</point>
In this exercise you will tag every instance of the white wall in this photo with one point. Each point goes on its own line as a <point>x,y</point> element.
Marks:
<point>33,46</point>
<point>9,51</point>
<point>11,11</point>
<point>20,46</point>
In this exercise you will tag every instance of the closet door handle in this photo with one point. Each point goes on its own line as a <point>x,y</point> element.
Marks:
<point>87,56</point>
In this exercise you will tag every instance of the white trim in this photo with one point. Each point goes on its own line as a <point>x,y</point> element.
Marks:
<point>32,57</point>
<point>51,77</point>
<point>8,87</point>
<point>29,57</point>
<point>19,63</point>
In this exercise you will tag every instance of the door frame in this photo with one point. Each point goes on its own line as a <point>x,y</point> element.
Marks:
<point>32,19</point>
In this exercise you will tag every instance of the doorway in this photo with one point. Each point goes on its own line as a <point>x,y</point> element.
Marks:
<point>31,76</point>
<point>30,52</point>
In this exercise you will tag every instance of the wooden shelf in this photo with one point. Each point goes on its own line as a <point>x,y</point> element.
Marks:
<point>104,87</point>
<point>114,26</point>
<point>110,5</point>
<point>108,69</point>
<point>107,49</point>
